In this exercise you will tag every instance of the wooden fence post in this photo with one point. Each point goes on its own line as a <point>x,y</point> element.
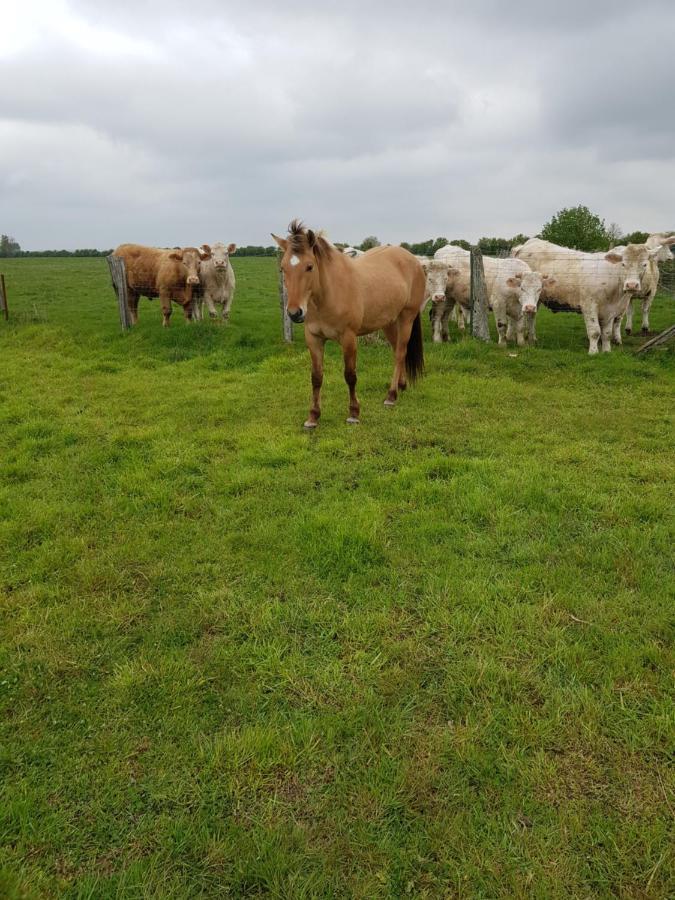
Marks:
<point>286,323</point>
<point>119,279</point>
<point>480,327</point>
<point>3,298</point>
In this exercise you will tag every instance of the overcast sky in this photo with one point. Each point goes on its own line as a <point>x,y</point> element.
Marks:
<point>182,123</point>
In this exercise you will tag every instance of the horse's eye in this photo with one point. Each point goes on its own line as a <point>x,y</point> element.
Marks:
<point>309,268</point>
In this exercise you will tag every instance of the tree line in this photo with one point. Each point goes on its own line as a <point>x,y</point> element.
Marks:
<point>576,227</point>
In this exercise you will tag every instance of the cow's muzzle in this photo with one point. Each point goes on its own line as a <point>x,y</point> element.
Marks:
<point>193,279</point>
<point>632,286</point>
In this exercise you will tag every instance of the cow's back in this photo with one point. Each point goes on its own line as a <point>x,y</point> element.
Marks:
<point>142,267</point>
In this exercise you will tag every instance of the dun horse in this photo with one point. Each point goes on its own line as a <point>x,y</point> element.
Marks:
<point>339,298</point>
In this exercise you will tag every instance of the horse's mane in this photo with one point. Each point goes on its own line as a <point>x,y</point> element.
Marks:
<point>302,240</point>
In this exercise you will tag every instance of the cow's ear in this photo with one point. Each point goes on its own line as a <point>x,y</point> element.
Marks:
<point>425,266</point>
<point>282,242</point>
<point>231,248</point>
<point>614,257</point>
<point>549,281</point>
<point>205,251</point>
<point>513,281</point>
<point>176,254</point>
<point>655,252</point>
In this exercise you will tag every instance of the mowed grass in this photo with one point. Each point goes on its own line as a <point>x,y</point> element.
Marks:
<point>430,656</point>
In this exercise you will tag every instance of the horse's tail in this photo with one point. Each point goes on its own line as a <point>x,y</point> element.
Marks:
<point>414,352</point>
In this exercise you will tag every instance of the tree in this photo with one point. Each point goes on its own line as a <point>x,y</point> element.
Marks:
<point>8,246</point>
<point>614,234</point>
<point>369,242</point>
<point>635,237</point>
<point>577,227</point>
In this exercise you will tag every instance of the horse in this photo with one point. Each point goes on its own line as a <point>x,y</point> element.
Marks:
<point>339,298</point>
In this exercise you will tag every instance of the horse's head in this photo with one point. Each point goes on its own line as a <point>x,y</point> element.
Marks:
<point>302,252</point>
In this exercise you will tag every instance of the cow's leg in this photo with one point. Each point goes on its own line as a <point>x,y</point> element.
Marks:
<point>616,330</point>
<point>226,307</point>
<point>132,305</point>
<point>349,345</point>
<point>629,317</point>
<point>531,319</point>
<point>436,318</point>
<point>592,328</point>
<point>504,324</point>
<point>213,312</point>
<point>606,329</point>
<point>165,300</point>
<point>519,327</point>
<point>315,345</point>
<point>445,316</point>
<point>646,306</point>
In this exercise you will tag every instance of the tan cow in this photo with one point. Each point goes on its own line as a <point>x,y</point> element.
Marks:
<point>170,275</point>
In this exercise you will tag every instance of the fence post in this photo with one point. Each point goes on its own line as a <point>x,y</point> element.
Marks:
<point>119,279</point>
<point>480,327</point>
<point>286,323</point>
<point>3,298</point>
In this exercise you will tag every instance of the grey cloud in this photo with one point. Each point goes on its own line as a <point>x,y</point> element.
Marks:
<point>403,120</point>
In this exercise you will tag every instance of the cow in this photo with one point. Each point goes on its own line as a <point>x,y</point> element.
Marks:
<point>216,282</point>
<point>597,285</point>
<point>513,291</point>
<point>352,251</point>
<point>170,275</point>
<point>650,283</point>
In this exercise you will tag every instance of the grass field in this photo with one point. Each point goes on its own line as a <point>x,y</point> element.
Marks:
<point>429,656</point>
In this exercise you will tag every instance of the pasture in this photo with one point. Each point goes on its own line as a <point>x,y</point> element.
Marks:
<point>428,656</point>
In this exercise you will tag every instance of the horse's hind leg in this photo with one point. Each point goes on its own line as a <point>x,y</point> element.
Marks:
<point>405,324</point>
<point>349,345</point>
<point>391,333</point>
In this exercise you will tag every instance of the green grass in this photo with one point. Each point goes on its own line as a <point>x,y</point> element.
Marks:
<point>430,656</point>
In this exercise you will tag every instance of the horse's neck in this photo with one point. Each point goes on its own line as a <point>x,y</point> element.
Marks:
<point>331,274</point>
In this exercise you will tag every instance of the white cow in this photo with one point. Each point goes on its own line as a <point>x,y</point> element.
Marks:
<point>650,283</point>
<point>512,288</point>
<point>216,282</point>
<point>352,251</point>
<point>597,285</point>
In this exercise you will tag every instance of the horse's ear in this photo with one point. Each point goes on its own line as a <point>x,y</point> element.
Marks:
<point>232,248</point>
<point>311,238</point>
<point>282,242</point>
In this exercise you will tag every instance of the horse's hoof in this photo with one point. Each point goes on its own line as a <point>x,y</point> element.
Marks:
<point>352,421</point>
<point>309,425</point>
<point>390,403</point>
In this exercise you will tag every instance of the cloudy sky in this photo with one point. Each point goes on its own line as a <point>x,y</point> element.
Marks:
<point>177,123</point>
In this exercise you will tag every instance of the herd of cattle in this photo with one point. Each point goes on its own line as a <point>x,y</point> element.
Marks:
<point>600,286</point>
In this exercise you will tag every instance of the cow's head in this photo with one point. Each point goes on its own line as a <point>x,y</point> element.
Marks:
<point>219,253</point>
<point>302,252</point>
<point>528,287</point>
<point>665,244</point>
<point>191,258</point>
<point>436,272</point>
<point>634,261</point>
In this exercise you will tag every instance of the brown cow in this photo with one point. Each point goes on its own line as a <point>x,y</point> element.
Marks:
<point>167,274</point>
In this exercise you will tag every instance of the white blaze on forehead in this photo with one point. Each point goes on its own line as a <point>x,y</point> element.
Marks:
<point>294,261</point>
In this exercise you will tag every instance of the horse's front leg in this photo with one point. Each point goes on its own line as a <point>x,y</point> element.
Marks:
<point>349,345</point>
<point>315,345</point>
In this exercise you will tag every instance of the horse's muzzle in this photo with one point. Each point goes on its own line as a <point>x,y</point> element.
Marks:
<point>298,316</point>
